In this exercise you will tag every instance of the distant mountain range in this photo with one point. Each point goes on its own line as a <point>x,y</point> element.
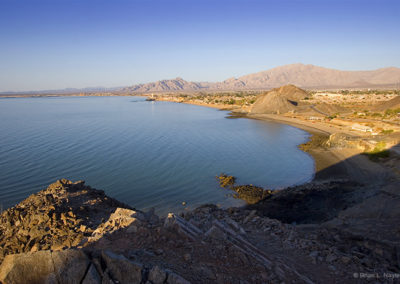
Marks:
<point>65,91</point>
<point>301,75</point>
<point>305,76</point>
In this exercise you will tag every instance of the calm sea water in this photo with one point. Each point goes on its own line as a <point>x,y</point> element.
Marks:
<point>146,154</point>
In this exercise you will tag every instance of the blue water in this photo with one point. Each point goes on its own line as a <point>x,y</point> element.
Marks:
<point>146,154</point>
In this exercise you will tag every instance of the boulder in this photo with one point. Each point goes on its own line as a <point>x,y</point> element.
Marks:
<point>122,269</point>
<point>174,278</point>
<point>68,266</point>
<point>92,276</point>
<point>157,275</point>
<point>121,218</point>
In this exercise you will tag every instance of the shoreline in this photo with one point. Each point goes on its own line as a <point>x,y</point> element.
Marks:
<point>331,163</point>
<point>324,158</point>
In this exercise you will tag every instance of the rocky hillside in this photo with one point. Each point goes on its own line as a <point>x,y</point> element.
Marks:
<point>304,76</point>
<point>72,233</point>
<point>310,76</point>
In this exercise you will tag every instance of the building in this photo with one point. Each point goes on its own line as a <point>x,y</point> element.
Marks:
<point>361,128</point>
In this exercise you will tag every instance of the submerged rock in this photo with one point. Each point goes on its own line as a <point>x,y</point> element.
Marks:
<point>225,180</point>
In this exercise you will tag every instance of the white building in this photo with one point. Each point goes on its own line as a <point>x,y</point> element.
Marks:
<point>361,128</point>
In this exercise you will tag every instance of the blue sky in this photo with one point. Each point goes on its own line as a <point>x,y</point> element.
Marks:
<point>58,43</point>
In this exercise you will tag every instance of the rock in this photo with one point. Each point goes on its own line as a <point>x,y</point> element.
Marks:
<point>250,216</point>
<point>92,276</point>
<point>187,257</point>
<point>69,263</point>
<point>57,217</point>
<point>132,229</point>
<point>331,258</point>
<point>331,267</point>
<point>157,275</point>
<point>179,224</point>
<point>107,278</point>
<point>208,273</point>
<point>67,266</point>
<point>314,256</point>
<point>35,247</point>
<point>121,268</point>
<point>121,218</point>
<point>225,180</point>
<point>174,278</point>
<point>149,214</point>
<point>215,233</point>
<point>17,268</point>
<point>345,259</point>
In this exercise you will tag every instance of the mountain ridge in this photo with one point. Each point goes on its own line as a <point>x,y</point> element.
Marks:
<point>302,75</point>
<point>306,76</point>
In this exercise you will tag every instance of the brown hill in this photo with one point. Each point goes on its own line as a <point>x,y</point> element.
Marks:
<point>391,104</point>
<point>279,100</point>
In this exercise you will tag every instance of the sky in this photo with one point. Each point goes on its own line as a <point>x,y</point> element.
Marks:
<point>58,44</point>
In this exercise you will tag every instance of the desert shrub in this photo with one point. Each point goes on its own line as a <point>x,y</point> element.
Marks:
<point>387,131</point>
<point>392,112</point>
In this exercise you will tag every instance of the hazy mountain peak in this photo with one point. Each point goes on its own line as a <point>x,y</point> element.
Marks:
<point>299,74</point>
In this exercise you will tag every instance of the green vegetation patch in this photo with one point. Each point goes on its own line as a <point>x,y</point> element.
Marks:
<point>387,131</point>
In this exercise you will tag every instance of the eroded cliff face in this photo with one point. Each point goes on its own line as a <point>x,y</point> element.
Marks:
<point>71,233</point>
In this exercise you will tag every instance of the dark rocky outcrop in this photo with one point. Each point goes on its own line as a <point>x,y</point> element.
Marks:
<point>249,193</point>
<point>76,266</point>
<point>206,245</point>
<point>309,203</point>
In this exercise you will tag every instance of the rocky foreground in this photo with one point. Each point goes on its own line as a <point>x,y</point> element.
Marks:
<point>72,233</point>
